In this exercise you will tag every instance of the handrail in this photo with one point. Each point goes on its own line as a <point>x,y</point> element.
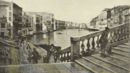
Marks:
<point>89,44</point>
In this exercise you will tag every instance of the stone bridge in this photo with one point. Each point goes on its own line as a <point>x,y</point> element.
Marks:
<point>83,56</point>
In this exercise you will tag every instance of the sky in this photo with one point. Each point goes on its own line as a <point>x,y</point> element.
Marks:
<point>81,11</point>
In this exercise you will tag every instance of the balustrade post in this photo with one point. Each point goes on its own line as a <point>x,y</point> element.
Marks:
<point>75,48</point>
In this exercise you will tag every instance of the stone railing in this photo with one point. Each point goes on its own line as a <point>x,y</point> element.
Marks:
<point>89,44</point>
<point>65,55</point>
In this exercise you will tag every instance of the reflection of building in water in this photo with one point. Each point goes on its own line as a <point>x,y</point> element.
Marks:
<point>46,38</point>
<point>42,23</point>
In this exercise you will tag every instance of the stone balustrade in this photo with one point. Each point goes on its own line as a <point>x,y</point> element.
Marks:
<point>89,44</point>
<point>65,55</point>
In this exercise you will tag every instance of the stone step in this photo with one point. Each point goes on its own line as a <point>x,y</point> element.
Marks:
<point>128,43</point>
<point>120,57</point>
<point>124,46</point>
<point>94,67</point>
<point>44,68</point>
<point>121,53</point>
<point>80,69</point>
<point>113,61</point>
<point>125,49</point>
<point>76,68</point>
<point>107,66</point>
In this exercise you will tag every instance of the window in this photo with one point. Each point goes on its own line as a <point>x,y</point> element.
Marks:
<point>2,34</point>
<point>9,18</point>
<point>10,14</point>
<point>9,7</point>
<point>2,25</point>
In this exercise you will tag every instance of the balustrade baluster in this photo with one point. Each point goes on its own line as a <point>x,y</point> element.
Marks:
<point>125,32</point>
<point>118,34</point>
<point>121,33</point>
<point>115,36</point>
<point>82,47</point>
<point>64,56</point>
<point>68,57</point>
<point>88,51</point>
<point>61,57</point>
<point>128,31</point>
<point>93,44</point>
<point>97,41</point>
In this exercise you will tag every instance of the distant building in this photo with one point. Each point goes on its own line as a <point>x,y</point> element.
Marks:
<point>27,28</point>
<point>13,14</point>
<point>110,17</point>
<point>36,25</point>
<point>36,21</point>
<point>60,25</point>
<point>4,32</point>
<point>93,22</point>
<point>47,21</point>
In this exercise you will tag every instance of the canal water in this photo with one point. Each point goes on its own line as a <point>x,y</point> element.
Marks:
<point>60,38</point>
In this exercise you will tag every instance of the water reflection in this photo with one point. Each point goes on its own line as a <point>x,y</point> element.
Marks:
<point>59,38</point>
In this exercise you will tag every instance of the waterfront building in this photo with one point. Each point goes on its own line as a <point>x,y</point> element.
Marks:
<point>13,14</point>
<point>5,17</point>
<point>60,25</point>
<point>4,33</point>
<point>110,17</point>
<point>48,21</point>
<point>36,26</point>
<point>27,28</point>
<point>93,22</point>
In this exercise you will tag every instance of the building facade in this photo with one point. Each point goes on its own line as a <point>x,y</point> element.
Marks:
<point>13,14</point>
<point>60,24</point>
<point>110,17</point>
<point>48,21</point>
<point>5,19</point>
<point>17,19</point>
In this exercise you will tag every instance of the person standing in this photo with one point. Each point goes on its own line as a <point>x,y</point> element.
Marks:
<point>104,42</point>
<point>35,56</point>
